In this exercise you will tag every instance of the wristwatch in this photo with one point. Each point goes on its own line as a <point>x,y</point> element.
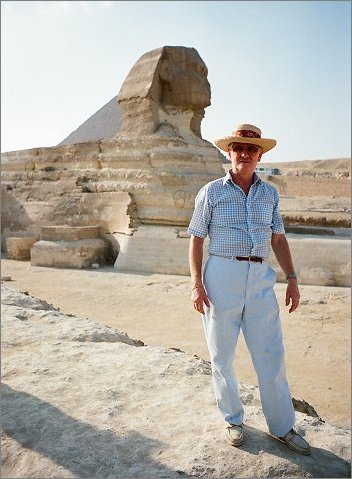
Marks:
<point>291,275</point>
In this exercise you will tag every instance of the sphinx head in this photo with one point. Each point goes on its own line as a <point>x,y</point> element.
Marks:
<point>167,77</point>
<point>183,76</point>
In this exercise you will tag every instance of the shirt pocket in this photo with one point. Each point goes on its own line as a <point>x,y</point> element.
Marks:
<point>264,214</point>
<point>228,214</point>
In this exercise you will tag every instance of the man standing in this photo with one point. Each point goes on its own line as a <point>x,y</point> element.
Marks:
<point>240,214</point>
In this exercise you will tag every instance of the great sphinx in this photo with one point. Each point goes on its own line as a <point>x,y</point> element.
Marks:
<point>138,185</point>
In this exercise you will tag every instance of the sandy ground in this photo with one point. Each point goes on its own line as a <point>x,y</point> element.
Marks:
<point>156,309</point>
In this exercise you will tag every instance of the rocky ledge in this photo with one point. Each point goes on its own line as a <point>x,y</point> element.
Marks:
<point>80,399</point>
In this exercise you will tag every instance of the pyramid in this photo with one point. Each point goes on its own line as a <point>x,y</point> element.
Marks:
<point>102,124</point>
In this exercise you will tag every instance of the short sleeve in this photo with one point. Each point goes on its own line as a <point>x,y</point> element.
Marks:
<point>278,224</point>
<point>201,215</point>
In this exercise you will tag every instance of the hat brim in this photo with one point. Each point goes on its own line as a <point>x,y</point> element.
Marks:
<point>266,143</point>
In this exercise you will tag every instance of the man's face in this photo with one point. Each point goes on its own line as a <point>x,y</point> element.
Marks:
<point>244,157</point>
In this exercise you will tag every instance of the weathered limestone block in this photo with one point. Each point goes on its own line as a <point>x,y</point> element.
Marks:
<point>69,233</point>
<point>70,254</point>
<point>112,210</point>
<point>155,249</point>
<point>21,161</point>
<point>19,248</point>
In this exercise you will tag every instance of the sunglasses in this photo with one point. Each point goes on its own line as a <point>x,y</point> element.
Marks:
<point>251,149</point>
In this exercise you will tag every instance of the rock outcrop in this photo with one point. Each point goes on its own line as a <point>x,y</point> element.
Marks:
<point>83,400</point>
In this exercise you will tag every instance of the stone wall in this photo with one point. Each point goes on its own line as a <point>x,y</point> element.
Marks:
<point>324,261</point>
<point>159,249</point>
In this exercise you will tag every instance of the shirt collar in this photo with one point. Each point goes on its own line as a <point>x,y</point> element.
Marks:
<point>228,178</point>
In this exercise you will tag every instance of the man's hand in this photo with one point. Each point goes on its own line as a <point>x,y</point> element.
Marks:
<point>283,255</point>
<point>199,297</point>
<point>292,295</point>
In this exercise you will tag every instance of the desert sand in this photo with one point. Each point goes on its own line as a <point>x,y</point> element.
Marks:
<point>156,309</point>
<point>80,399</point>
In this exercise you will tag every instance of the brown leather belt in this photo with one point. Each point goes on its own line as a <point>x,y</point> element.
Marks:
<point>255,259</point>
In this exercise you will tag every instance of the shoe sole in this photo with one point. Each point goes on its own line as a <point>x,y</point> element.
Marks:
<point>234,443</point>
<point>305,453</point>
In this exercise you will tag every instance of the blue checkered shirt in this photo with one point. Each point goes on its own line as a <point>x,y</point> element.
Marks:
<point>237,225</point>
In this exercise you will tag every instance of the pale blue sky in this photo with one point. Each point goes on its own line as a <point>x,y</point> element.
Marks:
<point>282,65</point>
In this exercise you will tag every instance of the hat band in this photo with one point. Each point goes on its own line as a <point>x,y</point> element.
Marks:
<point>247,134</point>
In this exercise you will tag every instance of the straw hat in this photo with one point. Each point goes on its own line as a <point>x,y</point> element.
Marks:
<point>246,134</point>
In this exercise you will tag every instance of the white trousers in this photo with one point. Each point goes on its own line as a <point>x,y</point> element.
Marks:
<point>242,297</point>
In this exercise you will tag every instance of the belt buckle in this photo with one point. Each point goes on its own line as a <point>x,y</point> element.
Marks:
<point>250,258</point>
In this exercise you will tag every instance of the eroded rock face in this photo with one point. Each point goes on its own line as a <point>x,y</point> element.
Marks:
<point>160,85</point>
<point>149,173</point>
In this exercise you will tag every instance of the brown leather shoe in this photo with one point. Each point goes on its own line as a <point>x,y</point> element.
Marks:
<point>296,442</point>
<point>234,434</point>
